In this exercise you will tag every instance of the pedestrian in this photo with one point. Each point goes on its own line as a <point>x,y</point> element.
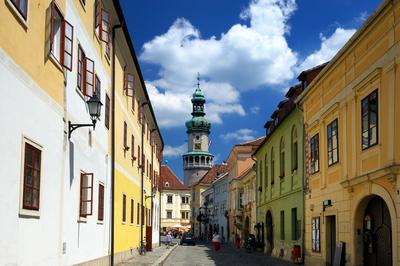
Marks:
<point>168,239</point>
<point>237,241</point>
<point>216,241</point>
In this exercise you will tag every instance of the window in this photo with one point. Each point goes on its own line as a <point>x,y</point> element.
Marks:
<point>138,155</point>
<point>123,208</point>
<point>266,170</point>
<point>100,212</point>
<point>132,147</point>
<point>240,199</point>
<point>142,215</point>
<point>125,135</point>
<point>97,86</point>
<point>169,214</point>
<point>32,169</point>
<point>128,83</point>
<point>314,152</point>
<point>216,207</point>
<point>282,225</point>
<point>22,7</point>
<point>107,113</point>
<point>85,72</point>
<point>315,234</point>
<point>294,149</point>
<point>282,158</point>
<point>61,38</point>
<point>169,199</point>
<point>102,22</point>
<point>272,167</point>
<point>294,224</point>
<point>369,120</point>
<point>86,198</point>
<point>132,210</point>
<point>185,215</point>
<point>137,213</point>
<point>185,200</point>
<point>333,149</point>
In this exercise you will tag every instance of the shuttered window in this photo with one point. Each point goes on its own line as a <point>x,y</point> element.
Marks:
<point>132,147</point>
<point>107,113</point>
<point>61,38</point>
<point>132,210</point>
<point>125,135</point>
<point>100,212</point>
<point>86,194</point>
<point>123,208</point>
<point>32,171</point>
<point>102,22</point>
<point>85,81</point>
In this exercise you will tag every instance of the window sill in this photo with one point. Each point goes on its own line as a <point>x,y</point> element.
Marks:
<point>82,220</point>
<point>124,223</point>
<point>100,222</point>
<point>55,62</point>
<point>25,213</point>
<point>21,19</point>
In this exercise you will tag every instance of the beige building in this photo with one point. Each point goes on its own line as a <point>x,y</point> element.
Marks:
<point>351,116</point>
<point>175,202</point>
<point>239,161</point>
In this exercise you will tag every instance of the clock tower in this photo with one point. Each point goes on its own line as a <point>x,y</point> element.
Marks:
<point>197,160</point>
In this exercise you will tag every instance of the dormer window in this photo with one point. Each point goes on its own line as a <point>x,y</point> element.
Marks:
<point>166,184</point>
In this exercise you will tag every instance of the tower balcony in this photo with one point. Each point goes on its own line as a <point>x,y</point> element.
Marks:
<point>197,159</point>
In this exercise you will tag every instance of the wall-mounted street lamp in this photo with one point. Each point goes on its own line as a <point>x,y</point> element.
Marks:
<point>153,193</point>
<point>94,106</point>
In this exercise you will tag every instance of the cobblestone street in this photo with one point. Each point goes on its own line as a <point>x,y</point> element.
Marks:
<point>203,255</point>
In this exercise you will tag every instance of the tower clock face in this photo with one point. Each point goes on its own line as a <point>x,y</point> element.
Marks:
<point>197,146</point>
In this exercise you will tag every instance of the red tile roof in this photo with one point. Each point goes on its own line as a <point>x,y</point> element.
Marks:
<point>168,176</point>
<point>254,142</point>
<point>213,174</point>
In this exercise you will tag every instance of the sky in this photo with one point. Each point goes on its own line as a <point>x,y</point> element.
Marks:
<point>248,53</point>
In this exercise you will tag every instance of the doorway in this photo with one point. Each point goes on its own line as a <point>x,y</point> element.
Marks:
<point>377,234</point>
<point>269,233</point>
<point>330,239</point>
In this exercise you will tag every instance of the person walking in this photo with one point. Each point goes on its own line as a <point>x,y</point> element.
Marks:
<point>237,241</point>
<point>216,241</point>
<point>169,239</point>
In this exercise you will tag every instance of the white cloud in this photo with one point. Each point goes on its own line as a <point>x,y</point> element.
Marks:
<point>249,55</point>
<point>329,47</point>
<point>244,134</point>
<point>170,151</point>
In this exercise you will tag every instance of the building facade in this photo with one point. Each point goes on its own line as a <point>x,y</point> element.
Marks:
<point>350,112</point>
<point>175,202</point>
<point>220,190</point>
<point>60,58</point>
<point>238,162</point>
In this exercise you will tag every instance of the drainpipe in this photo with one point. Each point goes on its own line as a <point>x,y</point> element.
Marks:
<point>159,202</point>
<point>114,28</point>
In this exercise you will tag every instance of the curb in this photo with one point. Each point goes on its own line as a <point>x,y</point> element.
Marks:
<point>160,261</point>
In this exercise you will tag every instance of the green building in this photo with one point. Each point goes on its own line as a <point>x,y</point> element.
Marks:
<point>280,171</point>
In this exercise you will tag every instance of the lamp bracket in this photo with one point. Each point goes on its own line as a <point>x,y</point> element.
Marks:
<point>72,127</point>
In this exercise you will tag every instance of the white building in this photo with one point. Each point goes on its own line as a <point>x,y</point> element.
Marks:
<point>220,189</point>
<point>175,202</point>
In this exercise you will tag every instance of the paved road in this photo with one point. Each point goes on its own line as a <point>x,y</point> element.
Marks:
<point>203,255</point>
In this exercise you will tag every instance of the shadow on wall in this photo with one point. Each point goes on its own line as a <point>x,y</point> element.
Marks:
<point>71,163</point>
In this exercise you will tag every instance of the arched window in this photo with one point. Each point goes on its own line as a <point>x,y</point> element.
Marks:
<point>272,166</point>
<point>203,160</point>
<point>196,159</point>
<point>266,170</point>
<point>282,159</point>
<point>261,173</point>
<point>191,159</point>
<point>294,149</point>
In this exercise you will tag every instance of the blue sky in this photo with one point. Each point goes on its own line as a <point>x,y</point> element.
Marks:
<point>248,53</point>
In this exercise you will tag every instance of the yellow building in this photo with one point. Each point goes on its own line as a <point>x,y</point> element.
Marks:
<point>239,162</point>
<point>138,146</point>
<point>351,112</point>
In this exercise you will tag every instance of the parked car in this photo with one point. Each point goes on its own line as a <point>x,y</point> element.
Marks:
<point>187,238</point>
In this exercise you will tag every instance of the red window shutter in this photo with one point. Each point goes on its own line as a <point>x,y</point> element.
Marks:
<point>132,147</point>
<point>105,26</point>
<point>123,208</point>
<point>132,202</point>
<point>81,67</point>
<point>125,134</point>
<point>97,86</point>
<point>89,77</point>
<point>101,203</point>
<point>67,35</point>
<point>107,112</point>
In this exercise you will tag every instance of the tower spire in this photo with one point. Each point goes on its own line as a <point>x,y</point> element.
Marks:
<point>198,80</point>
